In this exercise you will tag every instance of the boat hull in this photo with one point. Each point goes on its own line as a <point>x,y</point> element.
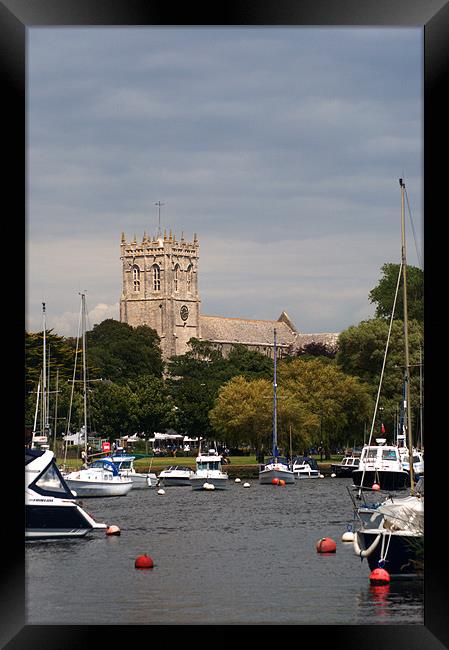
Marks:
<point>99,488</point>
<point>387,480</point>
<point>403,551</point>
<point>302,475</point>
<point>266,476</point>
<point>168,481</point>
<point>219,482</point>
<point>53,520</point>
<point>343,471</point>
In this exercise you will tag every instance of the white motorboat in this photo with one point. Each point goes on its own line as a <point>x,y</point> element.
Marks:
<point>347,465</point>
<point>305,467</point>
<point>208,472</point>
<point>381,464</point>
<point>175,475</point>
<point>100,479</point>
<point>125,466</point>
<point>51,511</point>
<point>277,468</point>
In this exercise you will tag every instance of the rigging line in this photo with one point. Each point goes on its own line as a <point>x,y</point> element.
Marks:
<point>382,371</point>
<point>413,230</point>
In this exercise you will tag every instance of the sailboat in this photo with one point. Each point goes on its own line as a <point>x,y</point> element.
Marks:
<point>100,478</point>
<point>39,438</point>
<point>277,467</point>
<point>393,537</point>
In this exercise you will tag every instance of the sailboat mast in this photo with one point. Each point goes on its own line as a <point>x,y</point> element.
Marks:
<point>407,359</point>
<point>274,400</point>
<point>44,373</point>
<point>83,321</point>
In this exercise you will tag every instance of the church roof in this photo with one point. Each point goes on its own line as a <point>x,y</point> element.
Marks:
<point>260,332</point>
<point>246,331</point>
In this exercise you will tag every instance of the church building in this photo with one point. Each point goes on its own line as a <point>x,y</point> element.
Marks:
<point>160,289</point>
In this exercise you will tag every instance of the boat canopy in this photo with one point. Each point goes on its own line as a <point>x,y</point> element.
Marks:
<point>299,460</point>
<point>49,482</point>
<point>106,464</point>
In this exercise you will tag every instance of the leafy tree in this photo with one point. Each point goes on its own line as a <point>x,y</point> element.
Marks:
<point>59,354</point>
<point>118,352</point>
<point>112,410</point>
<point>361,354</point>
<point>243,412</point>
<point>339,403</point>
<point>383,294</point>
<point>153,408</point>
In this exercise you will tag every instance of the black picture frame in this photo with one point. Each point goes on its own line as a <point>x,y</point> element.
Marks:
<point>433,15</point>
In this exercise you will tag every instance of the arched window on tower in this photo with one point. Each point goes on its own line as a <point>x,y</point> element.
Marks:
<point>189,278</point>
<point>176,277</point>
<point>156,277</point>
<point>136,278</point>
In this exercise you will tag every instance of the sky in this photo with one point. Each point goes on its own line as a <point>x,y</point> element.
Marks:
<point>280,147</point>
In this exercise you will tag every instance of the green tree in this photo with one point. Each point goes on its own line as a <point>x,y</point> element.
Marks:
<point>383,294</point>
<point>242,413</point>
<point>338,403</point>
<point>361,354</point>
<point>112,410</point>
<point>118,352</point>
<point>153,408</point>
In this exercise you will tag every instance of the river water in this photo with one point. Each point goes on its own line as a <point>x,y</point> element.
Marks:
<point>240,556</point>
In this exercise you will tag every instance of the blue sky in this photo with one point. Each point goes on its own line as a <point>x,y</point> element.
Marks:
<point>280,147</point>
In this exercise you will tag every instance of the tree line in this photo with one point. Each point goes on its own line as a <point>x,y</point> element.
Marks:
<point>323,399</point>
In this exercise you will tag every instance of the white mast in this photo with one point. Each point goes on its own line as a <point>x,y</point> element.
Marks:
<point>407,360</point>
<point>83,310</point>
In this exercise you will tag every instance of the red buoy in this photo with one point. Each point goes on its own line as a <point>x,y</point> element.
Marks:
<point>326,545</point>
<point>143,562</point>
<point>275,481</point>
<point>379,577</point>
<point>281,482</point>
<point>375,486</point>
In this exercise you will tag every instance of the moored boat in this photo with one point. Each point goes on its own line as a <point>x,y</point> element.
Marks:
<point>345,468</point>
<point>125,466</point>
<point>99,479</point>
<point>51,510</point>
<point>277,467</point>
<point>209,473</point>
<point>175,475</point>
<point>305,467</point>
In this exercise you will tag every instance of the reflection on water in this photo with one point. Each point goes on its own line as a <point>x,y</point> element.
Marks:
<point>229,557</point>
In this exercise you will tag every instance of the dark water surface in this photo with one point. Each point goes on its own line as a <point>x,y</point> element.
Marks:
<point>244,555</point>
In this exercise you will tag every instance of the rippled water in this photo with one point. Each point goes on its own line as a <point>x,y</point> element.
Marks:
<point>244,555</point>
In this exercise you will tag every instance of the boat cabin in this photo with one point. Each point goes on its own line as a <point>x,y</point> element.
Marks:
<point>208,462</point>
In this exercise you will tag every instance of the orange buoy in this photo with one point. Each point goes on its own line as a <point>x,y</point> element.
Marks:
<point>275,481</point>
<point>113,530</point>
<point>326,545</point>
<point>281,482</point>
<point>379,577</point>
<point>143,562</point>
<point>375,486</point>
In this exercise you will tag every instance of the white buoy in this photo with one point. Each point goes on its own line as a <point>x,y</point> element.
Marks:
<point>333,475</point>
<point>321,475</point>
<point>247,485</point>
<point>348,536</point>
<point>208,486</point>
<point>161,491</point>
<point>237,480</point>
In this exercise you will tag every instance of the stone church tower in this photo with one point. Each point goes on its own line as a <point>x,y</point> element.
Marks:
<point>160,289</point>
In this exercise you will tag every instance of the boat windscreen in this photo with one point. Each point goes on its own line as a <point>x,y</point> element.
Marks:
<point>51,483</point>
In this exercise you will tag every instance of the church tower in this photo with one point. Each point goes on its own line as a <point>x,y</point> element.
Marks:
<point>160,289</point>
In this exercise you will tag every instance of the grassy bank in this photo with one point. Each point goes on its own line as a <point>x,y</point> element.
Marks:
<point>240,466</point>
